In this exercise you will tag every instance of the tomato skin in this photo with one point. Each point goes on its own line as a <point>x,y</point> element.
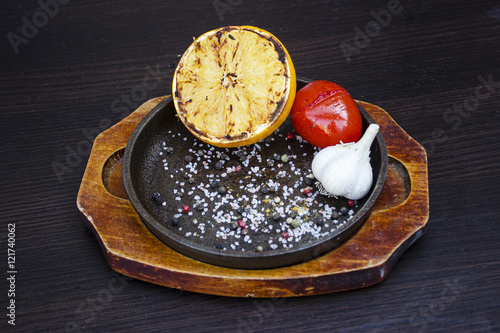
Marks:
<point>324,114</point>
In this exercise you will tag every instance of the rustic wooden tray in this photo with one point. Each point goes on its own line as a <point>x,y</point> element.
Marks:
<point>399,217</point>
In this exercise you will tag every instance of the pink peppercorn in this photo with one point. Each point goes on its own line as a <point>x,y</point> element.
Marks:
<point>242,224</point>
<point>185,208</point>
<point>289,135</point>
<point>285,235</point>
<point>350,203</point>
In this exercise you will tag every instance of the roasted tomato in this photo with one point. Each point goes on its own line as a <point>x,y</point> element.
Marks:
<point>324,114</point>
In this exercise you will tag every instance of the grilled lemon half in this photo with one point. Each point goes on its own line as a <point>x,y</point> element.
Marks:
<point>234,86</point>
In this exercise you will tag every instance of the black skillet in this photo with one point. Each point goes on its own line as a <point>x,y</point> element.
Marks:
<point>142,176</point>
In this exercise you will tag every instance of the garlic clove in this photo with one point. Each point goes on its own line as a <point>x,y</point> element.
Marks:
<point>345,169</point>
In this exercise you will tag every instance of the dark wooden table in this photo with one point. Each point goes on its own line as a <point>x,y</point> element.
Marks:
<point>70,69</point>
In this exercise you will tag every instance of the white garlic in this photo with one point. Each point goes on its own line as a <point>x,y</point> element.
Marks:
<point>344,170</point>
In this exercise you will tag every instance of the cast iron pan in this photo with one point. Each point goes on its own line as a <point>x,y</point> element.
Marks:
<point>159,181</point>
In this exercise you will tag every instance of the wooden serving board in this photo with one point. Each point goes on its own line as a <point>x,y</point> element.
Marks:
<point>399,217</point>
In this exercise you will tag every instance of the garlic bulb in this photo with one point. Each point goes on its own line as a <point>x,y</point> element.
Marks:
<point>344,169</point>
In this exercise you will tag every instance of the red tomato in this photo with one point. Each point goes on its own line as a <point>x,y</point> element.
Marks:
<point>324,114</point>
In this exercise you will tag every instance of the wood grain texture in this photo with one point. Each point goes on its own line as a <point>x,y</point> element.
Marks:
<point>81,73</point>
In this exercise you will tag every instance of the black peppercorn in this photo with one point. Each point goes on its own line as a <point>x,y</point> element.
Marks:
<point>222,190</point>
<point>156,198</point>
